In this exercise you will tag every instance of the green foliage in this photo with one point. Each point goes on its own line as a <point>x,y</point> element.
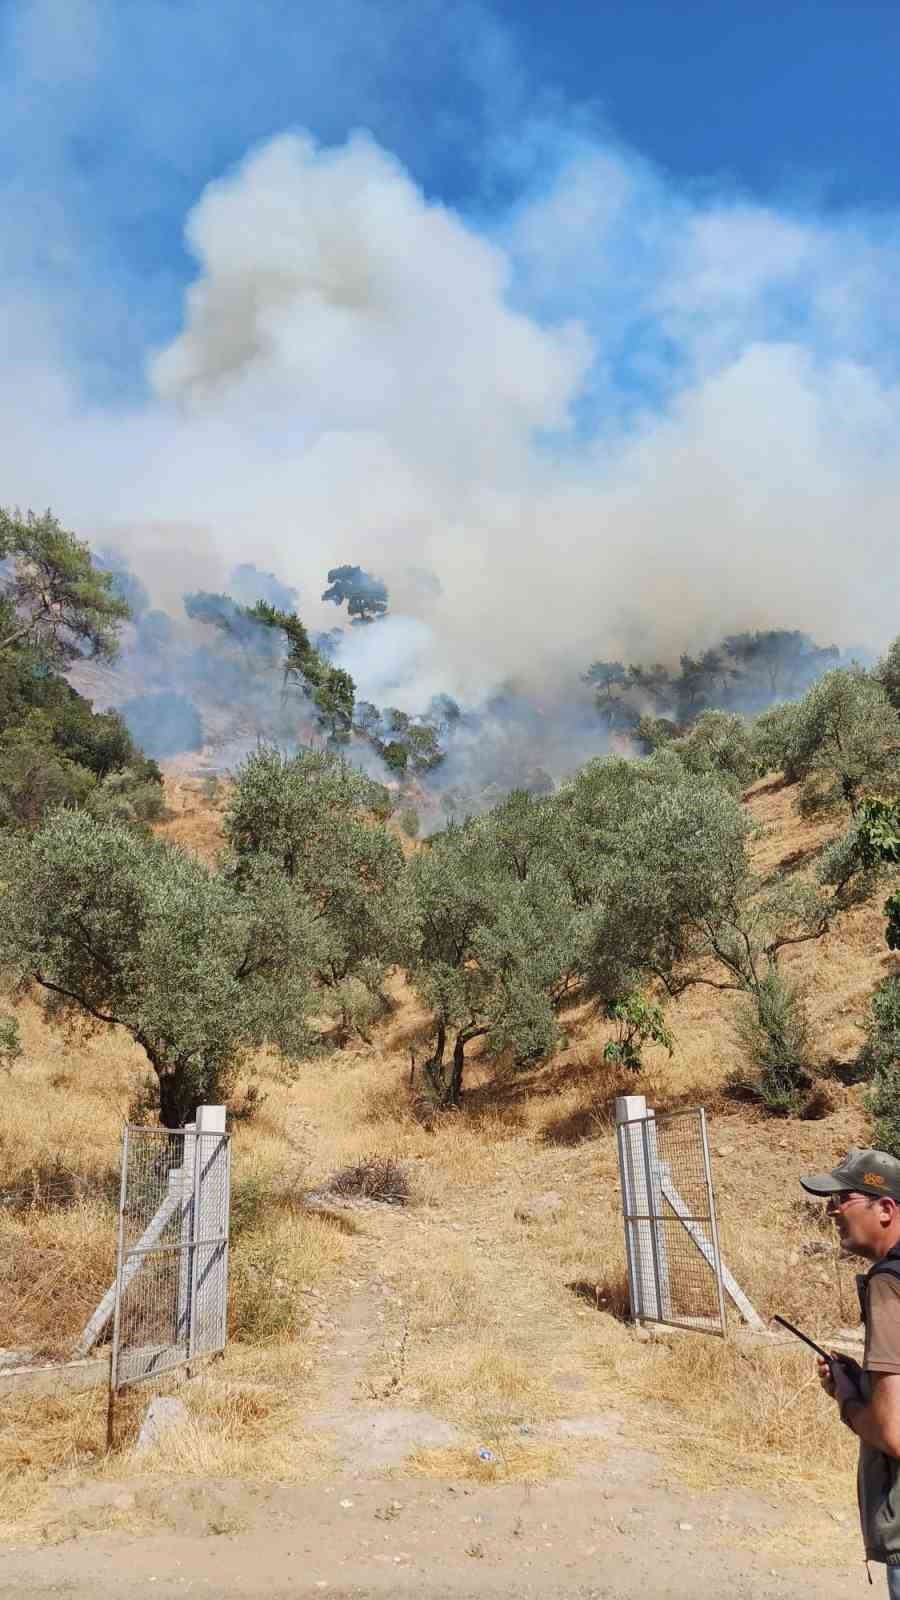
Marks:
<point>888,674</point>
<point>309,813</point>
<point>651,733</point>
<point>115,929</point>
<point>366,596</point>
<point>880,1061</point>
<point>405,743</point>
<point>878,836</point>
<point>639,1021</point>
<point>52,597</point>
<point>842,740</point>
<point>881,1051</point>
<point>495,953</point>
<point>35,778</point>
<point>775,739</point>
<point>718,744</point>
<point>879,830</point>
<point>773,1029</point>
<point>330,689</point>
<point>883,1104</point>
<point>10,1042</point>
<point>129,797</point>
<point>742,672</point>
<point>674,890</point>
<point>54,749</point>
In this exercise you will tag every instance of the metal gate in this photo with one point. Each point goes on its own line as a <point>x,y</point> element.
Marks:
<point>675,1269</point>
<point>171,1288</point>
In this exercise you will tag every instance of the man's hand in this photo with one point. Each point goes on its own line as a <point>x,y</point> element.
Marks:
<point>839,1381</point>
<point>825,1378</point>
<point>845,1383</point>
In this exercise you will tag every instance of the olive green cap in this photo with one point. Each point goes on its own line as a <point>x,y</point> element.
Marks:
<point>865,1171</point>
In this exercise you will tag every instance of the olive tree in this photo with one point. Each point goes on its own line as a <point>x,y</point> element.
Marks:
<point>494,953</point>
<point>116,930</point>
<point>887,673</point>
<point>842,739</point>
<point>719,743</point>
<point>312,814</point>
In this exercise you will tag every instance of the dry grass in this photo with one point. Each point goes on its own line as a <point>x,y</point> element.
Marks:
<point>483,1386</point>
<point>761,1411</point>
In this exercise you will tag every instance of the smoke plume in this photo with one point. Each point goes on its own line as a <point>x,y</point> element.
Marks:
<point>582,414</point>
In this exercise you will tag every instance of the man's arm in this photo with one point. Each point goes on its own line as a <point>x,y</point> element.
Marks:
<point>877,1422</point>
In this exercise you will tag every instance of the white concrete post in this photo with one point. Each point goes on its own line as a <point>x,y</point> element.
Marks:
<point>648,1272</point>
<point>183,1178</point>
<point>210,1242</point>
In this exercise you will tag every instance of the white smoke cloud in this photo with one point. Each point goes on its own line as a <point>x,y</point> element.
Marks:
<point>617,421</point>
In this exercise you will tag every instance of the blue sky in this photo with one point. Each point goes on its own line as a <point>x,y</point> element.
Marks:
<point>798,98</point>
<point>114,116</point>
<point>511,291</point>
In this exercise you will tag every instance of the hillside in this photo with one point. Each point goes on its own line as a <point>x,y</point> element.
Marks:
<point>463,1321</point>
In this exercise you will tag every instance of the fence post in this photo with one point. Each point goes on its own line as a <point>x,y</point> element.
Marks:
<point>648,1266</point>
<point>210,1254</point>
<point>183,1176</point>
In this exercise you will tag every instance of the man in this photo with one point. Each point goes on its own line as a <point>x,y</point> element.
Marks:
<point>863,1201</point>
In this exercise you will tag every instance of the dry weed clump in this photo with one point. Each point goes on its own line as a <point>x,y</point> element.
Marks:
<point>373,1178</point>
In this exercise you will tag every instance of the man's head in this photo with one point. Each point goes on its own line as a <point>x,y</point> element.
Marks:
<point>863,1200</point>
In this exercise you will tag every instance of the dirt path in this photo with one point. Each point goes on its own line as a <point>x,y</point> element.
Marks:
<point>616,1531</point>
<point>617,1525</point>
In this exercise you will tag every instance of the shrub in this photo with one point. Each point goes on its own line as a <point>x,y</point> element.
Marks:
<point>773,1029</point>
<point>883,1027</point>
<point>880,1061</point>
<point>373,1178</point>
<point>637,1021</point>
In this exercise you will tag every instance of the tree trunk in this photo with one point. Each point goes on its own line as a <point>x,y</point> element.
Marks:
<point>174,1105</point>
<point>454,1092</point>
<point>434,1066</point>
<point>455,1086</point>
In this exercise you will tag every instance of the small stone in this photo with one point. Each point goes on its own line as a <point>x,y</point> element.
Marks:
<point>724,1150</point>
<point>346,1505</point>
<point>685,1527</point>
<point>164,1412</point>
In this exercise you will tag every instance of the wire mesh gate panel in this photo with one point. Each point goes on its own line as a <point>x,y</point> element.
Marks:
<point>172,1264</point>
<point>674,1266</point>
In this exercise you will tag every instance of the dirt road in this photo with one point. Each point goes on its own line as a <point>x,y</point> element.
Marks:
<point>616,1528</point>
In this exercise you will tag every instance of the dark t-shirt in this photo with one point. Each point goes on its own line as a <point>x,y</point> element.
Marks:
<point>883,1324</point>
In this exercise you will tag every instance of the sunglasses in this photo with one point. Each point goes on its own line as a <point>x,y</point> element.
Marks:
<point>845,1197</point>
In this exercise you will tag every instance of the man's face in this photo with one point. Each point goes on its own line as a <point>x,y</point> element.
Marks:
<point>860,1221</point>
